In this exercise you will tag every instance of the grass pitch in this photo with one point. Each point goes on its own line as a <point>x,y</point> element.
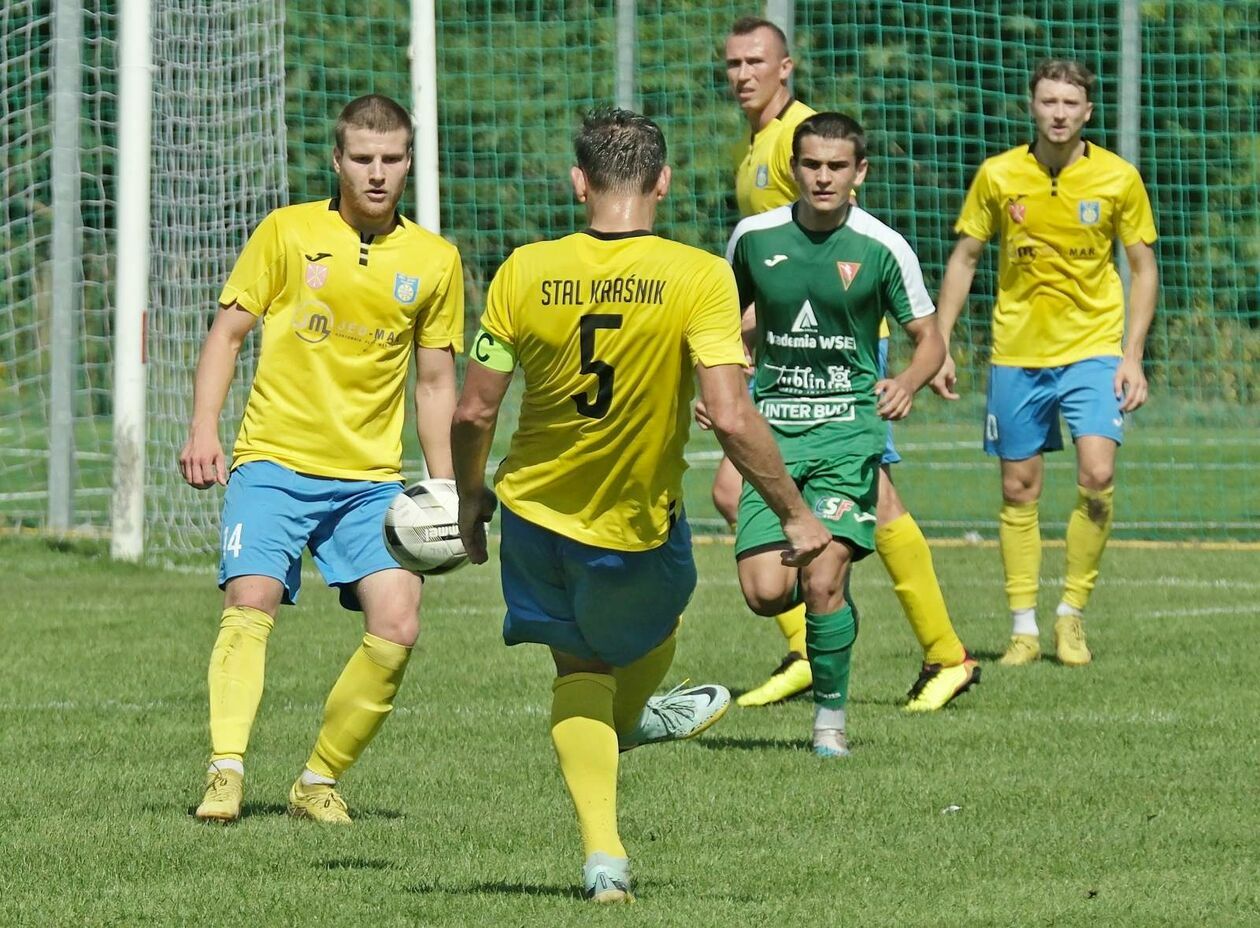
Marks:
<point>1123,794</point>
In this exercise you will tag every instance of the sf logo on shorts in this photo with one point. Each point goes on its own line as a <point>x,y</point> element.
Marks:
<point>832,507</point>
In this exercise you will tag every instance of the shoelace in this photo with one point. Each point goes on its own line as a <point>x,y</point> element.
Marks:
<point>926,675</point>
<point>218,788</point>
<point>673,713</point>
<point>1076,635</point>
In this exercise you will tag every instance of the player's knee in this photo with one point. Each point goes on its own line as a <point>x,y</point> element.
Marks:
<point>823,594</point>
<point>1020,488</point>
<point>399,625</point>
<point>1096,477</point>
<point>765,597</point>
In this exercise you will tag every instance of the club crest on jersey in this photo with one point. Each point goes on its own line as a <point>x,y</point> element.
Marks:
<point>763,177</point>
<point>316,275</point>
<point>406,288</point>
<point>1089,211</point>
<point>848,271</point>
<point>1017,210</point>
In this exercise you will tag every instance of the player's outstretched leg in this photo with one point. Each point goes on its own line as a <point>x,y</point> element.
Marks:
<point>237,667</point>
<point>1088,530</point>
<point>830,644</point>
<point>1019,534</point>
<point>947,670</point>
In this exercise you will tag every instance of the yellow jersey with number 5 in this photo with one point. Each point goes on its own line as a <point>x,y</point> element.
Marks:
<point>607,329</point>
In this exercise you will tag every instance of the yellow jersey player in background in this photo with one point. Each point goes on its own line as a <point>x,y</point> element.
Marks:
<point>348,292</point>
<point>758,67</point>
<point>1058,330</point>
<point>609,326</point>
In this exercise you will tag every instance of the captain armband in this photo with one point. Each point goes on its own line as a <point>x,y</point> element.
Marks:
<point>489,352</point>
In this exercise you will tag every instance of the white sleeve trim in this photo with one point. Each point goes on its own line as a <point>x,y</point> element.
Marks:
<point>778,216</point>
<point>864,223</point>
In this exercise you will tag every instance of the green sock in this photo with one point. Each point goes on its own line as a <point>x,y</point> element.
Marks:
<point>829,639</point>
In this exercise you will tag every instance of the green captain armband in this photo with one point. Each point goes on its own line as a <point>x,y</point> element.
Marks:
<point>489,352</point>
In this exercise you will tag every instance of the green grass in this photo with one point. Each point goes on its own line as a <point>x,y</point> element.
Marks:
<point>1120,795</point>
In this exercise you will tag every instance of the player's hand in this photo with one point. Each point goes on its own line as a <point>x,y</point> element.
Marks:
<point>702,416</point>
<point>807,537</point>
<point>945,380</point>
<point>201,460</point>
<point>1130,385</point>
<point>894,399</point>
<point>475,510</point>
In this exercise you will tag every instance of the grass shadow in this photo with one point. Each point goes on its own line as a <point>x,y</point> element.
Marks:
<point>353,863</point>
<point>725,743</point>
<point>499,888</point>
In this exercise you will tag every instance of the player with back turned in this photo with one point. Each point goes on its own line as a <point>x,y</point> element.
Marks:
<point>611,327</point>
<point>758,67</point>
<point>348,293</point>
<point>1060,343</point>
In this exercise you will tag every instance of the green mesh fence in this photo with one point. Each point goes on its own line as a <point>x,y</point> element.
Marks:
<point>939,85</point>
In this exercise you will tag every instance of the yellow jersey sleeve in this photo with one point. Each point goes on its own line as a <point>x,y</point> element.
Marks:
<point>260,271</point>
<point>712,332</point>
<point>442,323</point>
<point>496,318</point>
<point>1137,221</point>
<point>979,218</point>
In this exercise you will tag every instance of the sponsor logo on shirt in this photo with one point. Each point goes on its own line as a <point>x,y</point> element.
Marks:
<point>314,322</point>
<point>776,259</point>
<point>848,271</point>
<point>806,321</point>
<point>1089,211</point>
<point>406,288</point>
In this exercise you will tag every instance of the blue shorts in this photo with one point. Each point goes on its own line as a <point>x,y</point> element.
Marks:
<point>271,513</point>
<point>890,450</point>
<point>1022,416</point>
<point>592,602</point>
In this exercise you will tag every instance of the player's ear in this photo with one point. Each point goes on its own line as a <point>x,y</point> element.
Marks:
<point>860,177</point>
<point>336,159</point>
<point>786,67</point>
<point>662,182</point>
<point>581,187</point>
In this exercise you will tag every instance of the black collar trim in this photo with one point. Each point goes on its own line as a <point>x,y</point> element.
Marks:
<point>614,236</point>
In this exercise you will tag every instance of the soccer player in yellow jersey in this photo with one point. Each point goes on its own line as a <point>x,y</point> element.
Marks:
<point>1057,205</point>
<point>758,67</point>
<point>608,326</point>
<point>348,292</point>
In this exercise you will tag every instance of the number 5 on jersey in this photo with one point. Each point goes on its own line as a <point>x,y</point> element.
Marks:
<point>603,371</point>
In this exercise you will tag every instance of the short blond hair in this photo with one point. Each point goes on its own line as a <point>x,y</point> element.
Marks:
<point>1067,70</point>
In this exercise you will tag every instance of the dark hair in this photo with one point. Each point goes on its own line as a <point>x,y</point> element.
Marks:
<point>376,113</point>
<point>1063,69</point>
<point>746,25</point>
<point>619,151</point>
<point>831,126</point>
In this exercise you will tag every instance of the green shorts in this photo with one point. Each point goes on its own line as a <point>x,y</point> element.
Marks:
<point>842,492</point>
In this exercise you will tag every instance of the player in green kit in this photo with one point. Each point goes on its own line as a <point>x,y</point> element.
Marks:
<point>823,273</point>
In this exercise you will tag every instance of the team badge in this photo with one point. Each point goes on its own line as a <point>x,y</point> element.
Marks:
<point>832,507</point>
<point>1089,212</point>
<point>406,288</point>
<point>316,275</point>
<point>1017,211</point>
<point>763,176</point>
<point>848,270</point>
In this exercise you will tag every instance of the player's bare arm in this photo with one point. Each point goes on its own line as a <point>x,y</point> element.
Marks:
<point>1130,383</point>
<point>956,285</point>
<point>472,431</point>
<point>435,404</point>
<point>749,444</point>
<point>896,394</point>
<point>201,460</point>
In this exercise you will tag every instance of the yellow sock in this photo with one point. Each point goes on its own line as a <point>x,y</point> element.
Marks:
<point>357,705</point>
<point>908,560</point>
<point>1087,532</point>
<point>792,624</point>
<point>1020,538</point>
<point>586,745</point>
<point>637,681</point>
<point>237,665</point>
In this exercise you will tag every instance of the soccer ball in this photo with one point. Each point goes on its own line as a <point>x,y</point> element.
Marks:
<point>422,528</point>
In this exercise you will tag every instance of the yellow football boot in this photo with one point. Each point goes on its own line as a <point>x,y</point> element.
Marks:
<point>319,802</point>
<point>789,678</point>
<point>937,685</point>
<point>1069,641</point>
<point>1023,649</point>
<point>225,789</point>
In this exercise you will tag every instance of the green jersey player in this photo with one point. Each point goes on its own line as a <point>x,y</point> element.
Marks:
<point>823,273</point>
